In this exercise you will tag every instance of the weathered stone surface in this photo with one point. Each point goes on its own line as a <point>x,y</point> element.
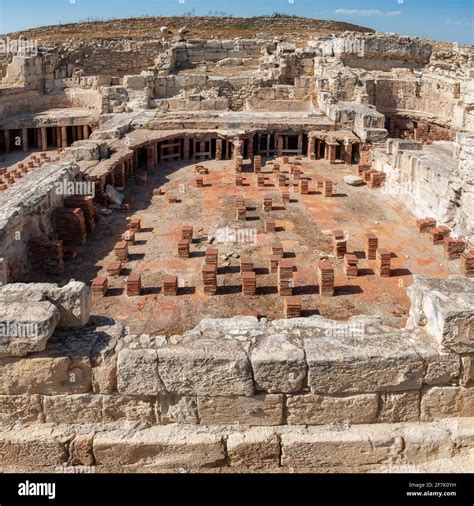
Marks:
<point>256,448</point>
<point>125,408</point>
<point>399,407</point>
<point>45,375</point>
<point>445,308</point>
<point>352,364</point>
<point>26,327</point>
<point>441,402</point>
<point>177,409</point>
<point>206,367</point>
<point>278,365</point>
<point>311,409</point>
<point>72,300</point>
<point>42,445</point>
<point>17,410</point>
<point>81,450</point>
<point>85,408</point>
<point>318,447</point>
<point>163,446</point>
<point>137,372</point>
<point>258,410</point>
<point>426,442</point>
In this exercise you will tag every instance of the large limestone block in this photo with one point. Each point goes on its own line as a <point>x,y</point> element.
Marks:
<point>441,402</point>
<point>42,445</point>
<point>136,82</point>
<point>206,367</point>
<point>367,363</point>
<point>45,375</point>
<point>357,446</point>
<point>84,408</point>
<point>18,410</point>
<point>26,327</point>
<point>278,365</point>
<point>445,308</point>
<point>255,448</point>
<point>259,410</point>
<point>311,409</point>
<point>137,372</point>
<point>177,409</point>
<point>73,300</point>
<point>163,446</point>
<point>123,407</point>
<point>400,407</point>
<point>425,441</point>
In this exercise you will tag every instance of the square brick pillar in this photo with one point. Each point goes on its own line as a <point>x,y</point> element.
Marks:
<point>44,139</point>
<point>219,149</point>
<point>85,132</point>
<point>300,144</point>
<point>186,154</point>
<point>24,139</point>
<point>80,133</point>
<point>63,137</point>
<point>150,156</point>
<point>250,148</point>
<point>332,153</point>
<point>347,157</point>
<point>280,145</point>
<point>6,136</point>
<point>312,148</point>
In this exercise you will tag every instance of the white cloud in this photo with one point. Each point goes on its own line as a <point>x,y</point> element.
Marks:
<point>366,12</point>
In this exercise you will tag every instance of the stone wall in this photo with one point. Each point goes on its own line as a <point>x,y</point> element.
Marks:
<point>307,392</point>
<point>435,181</point>
<point>25,213</point>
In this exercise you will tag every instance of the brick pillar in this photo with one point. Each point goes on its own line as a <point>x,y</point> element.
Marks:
<point>54,136</point>
<point>279,146</point>
<point>80,133</point>
<point>332,153</point>
<point>6,136</point>
<point>85,132</point>
<point>269,140</point>
<point>300,143</point>
<point>74,133</point>
<point>44,139</point>
<point>348,153</point>
<point>24,139</point>
<point>59,141</point>
<point>250,147</point>
<point>219,149</point>
<point>63,137</point>
<point>312,148</point>
<point>186,154</point>
<point>150,157</point>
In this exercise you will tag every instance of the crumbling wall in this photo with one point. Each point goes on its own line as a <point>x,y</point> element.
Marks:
<point>434,181</point>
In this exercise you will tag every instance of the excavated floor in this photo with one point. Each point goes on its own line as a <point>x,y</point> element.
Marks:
<point>303,228</point>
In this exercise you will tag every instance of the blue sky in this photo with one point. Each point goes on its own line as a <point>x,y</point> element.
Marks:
<point>450,20</point>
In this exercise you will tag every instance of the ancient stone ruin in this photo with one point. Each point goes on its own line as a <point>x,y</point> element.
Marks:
<point>253,253</point>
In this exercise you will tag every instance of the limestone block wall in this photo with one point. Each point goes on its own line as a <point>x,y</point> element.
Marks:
<point>113,57</point>
<point>435,181</point>
<point>430,97</point>
<point>213,50</point>
<point>240,371</point>
<point>25,212</point>
<point>308,393</point>
<point>17,101</point>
